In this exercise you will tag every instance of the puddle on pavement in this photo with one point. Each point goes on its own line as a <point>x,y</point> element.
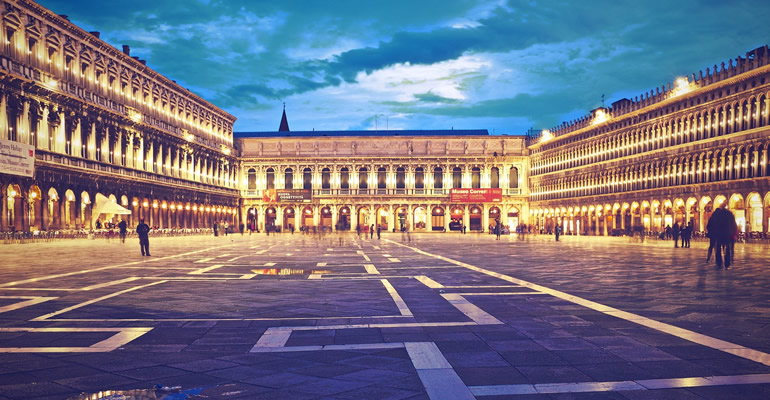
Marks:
<point>289,271</point>
<point>159,393</point>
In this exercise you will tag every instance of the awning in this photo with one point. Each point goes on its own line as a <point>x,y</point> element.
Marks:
<point>106,206</point>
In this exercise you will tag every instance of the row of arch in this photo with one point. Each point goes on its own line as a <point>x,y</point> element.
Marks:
<point>387,217</point>
<point>47,209</point>
<point>400,178</point>
<point>740,115</point>
<point>732,163</point>
<point>751,210</point>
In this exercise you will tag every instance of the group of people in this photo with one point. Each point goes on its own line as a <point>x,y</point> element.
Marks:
<point>722,233</point>
<point>680,232</point>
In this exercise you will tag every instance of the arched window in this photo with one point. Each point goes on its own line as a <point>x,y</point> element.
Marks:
<point>325,178</point>
<point>307,179</point>
<point>400,178</point>
<point>513,178</point>
<point>457,177</point>
<point>419,178</point>
<point>288,178</point>
<point>252,179</point>
<point>362,181</point>
<point>494,177</point>
<point>270,178</point>
<point>475,177</point>
<point>381,176</point>
<point>344,178</point>
<point>438,178</point>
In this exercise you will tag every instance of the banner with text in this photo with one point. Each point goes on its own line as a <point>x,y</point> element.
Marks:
<point>286,195</point>
<point>476,195</point>
<point>17,158</point>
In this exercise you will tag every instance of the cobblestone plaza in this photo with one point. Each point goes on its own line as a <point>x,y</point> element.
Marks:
<point>441,316</point>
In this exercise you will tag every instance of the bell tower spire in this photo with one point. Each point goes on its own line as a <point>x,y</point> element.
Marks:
<point>284,123</point>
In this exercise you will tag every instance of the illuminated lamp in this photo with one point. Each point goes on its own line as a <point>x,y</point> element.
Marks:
<point>307,211</point>
<point>145,204</point>
<point>187,207</point>
<point>135,203</point>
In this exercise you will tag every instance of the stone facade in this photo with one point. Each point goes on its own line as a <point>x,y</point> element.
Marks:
<point>670,156</point>
<point>103,122</point>
<point>391,181</point>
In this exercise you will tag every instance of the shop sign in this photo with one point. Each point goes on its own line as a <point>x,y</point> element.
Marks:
<point>17,158</point>
<point>476,195</point>
<point>287,195</point>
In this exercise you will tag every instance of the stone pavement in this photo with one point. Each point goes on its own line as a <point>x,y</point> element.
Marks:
<point>443,316</point>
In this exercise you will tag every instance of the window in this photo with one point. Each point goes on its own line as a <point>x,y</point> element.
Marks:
<point>513,178</point>
<point>400,178</point>
<point>476,178</point>
<point>419,178</point>
<point>344,178</point>
<point>325,178</point>
<point>457,178</point>
<point>494,178</point>
<point>438,179</point>
<point>252,184</point>
<point>307,179</point>
<point>381,178</point>
<point>288,178</point>
<point>270,178</point>
<point>362,182</point>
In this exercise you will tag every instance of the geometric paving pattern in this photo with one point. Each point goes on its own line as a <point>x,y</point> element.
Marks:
<point>443,316</point>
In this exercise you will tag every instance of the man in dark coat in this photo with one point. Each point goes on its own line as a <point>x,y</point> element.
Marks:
<point>675,232</point>
<point>143,230</point>
<point>722,228</point>
<point>123,230</point>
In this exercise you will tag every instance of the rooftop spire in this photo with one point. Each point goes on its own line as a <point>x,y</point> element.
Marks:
<point>284,123</point>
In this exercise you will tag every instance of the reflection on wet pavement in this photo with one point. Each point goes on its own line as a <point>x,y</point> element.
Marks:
<point>289,271</point>
<point>158,393</point>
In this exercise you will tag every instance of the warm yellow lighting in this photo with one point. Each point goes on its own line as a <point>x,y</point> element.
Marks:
<point>164,206</point>
<point>145,204</point>
<point>135,203</point>
<point>546,136</point>
<point>682,86</point>
<point>600,116</point>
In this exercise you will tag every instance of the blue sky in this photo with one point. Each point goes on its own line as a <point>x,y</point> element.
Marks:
<point>500,65</point>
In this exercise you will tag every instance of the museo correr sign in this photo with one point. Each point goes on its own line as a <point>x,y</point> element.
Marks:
<point>17,158</point>
<point>476,195</point>
<point>286,195</point>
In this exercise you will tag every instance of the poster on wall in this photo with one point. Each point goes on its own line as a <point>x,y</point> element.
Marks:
<point>17,158</point>
<point>286,195</point>
<point>476,195</point>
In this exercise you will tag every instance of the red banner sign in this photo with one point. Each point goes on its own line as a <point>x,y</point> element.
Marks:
<point>476,195</point>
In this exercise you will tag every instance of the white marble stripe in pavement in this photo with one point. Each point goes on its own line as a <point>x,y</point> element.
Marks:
<point>371,269</point>
<point>207,269</point>
<point>111,283</point>
<point>337,347</point>
<point>473,312</point>
<point>393,259</point>
<point>273,338</point>
<point>400,303</point>
<point>203,260</point>
<point>435,372</point>
<point>695,337</point>
<point>25,303</point>
<point>617,386</point>
<point>428,282</point>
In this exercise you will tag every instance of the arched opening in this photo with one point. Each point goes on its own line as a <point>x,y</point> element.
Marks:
<point>343,221</point>
<point>513,178</point>
<point>363,218</point>
<point>438,179</point>
<point>288,218</point>
<point>495,218</point>
<point>475,177</point>
<point>307,216</point>
<point>400,219</point>
<point>344,180</point>
<point>85,210</point>
<point>474,219</point>
<point>54,211</point>
<point>738,207</point>
<point>307,179</point>
<point>494,178</point>
<point>420,222</point>
<point>419,180</point>
<point>457,177</point>
<point>326,178</point>
<point>35,211</point>
<point>326,218</point>
<point>252,219</point>
<point>754,212</point>
<point>381,180</point>
<point>437,218</point>
<point>400,180</point>
<point>270,215</point>
<point>15,205</point>
<point>288,178</point>
<point>382,218</point>
<point>252,179</point>
<point>456,219</point>
<point>363,182</point>
<point>270,178</point>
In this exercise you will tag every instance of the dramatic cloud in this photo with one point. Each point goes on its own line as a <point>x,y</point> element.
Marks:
<point>502,65</point>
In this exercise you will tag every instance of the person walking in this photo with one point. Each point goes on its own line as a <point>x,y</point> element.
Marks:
<point>687,235</point>
<point>722,227</point>
<point>557,231</point>
<point>142,231</point>
<point>497,228</point>
<point>241,227</point>
<point>463,229</point>
<point>371,232</point>
<point>123,226</point>
<point>379,228</point>
<point>358,230</point>
<point>675,233</point>
<point>216,229</point>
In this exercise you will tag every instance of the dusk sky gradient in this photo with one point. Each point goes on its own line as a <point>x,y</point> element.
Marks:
<point>505,66</point>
